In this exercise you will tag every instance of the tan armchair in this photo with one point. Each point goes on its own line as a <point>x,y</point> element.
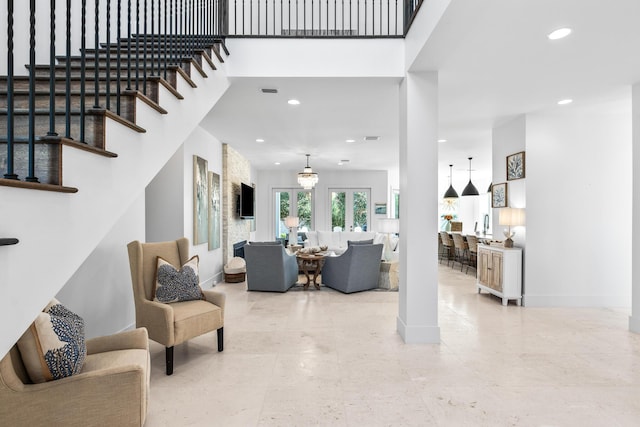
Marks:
<point>175,323</point>
<point>111,390</point>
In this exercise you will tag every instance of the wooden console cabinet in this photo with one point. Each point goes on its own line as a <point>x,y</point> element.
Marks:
<point>500,272</point>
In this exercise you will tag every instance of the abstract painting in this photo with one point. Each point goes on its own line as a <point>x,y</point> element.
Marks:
<point>200,203</point>
<point>215,206</point>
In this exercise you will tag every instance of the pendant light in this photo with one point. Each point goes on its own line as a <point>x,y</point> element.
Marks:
<point>451,193</point>
<point>470,189</point>
<point>307,178</point>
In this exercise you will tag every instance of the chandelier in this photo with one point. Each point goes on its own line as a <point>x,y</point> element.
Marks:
<point>307,178</point>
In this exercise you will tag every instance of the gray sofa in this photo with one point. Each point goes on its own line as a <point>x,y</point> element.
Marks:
<point>357,269</point>
<point>269,267</point>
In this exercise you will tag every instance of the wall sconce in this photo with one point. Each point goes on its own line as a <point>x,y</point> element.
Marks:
<point>511,217</point>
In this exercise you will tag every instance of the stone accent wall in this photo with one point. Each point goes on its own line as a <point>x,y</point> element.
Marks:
<point>235,169</point>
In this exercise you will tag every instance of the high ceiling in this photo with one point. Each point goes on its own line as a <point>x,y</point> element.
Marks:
<point>494,62</point>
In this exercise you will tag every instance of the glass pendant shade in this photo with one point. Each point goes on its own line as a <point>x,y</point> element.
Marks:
<point>307,178</point>
<point>451,193</point>
<point>470,189</point>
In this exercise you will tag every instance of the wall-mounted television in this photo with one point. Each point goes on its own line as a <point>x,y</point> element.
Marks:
<point>246,203</point>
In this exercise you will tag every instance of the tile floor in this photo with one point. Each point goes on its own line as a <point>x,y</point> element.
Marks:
<point>328,359</point>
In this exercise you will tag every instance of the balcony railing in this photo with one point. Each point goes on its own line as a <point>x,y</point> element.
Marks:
<point>317,18</point>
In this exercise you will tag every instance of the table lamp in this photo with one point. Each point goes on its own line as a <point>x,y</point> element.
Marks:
<point>511,217</point>
<point>292,222</point>
<point>388,226</point>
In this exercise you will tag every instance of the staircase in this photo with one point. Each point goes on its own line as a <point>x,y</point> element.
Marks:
<point>114,128</point>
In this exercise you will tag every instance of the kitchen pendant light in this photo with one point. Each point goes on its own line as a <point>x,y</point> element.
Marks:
<point>451,193</point>
<point>307,178</point>
<point>470,189</point>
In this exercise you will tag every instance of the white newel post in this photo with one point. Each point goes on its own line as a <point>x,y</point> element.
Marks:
<point>634,319</point>
<point>418,306</point>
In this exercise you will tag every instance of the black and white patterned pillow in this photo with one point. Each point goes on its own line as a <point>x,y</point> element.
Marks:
<point>174,285</point>
<point>54,346</point>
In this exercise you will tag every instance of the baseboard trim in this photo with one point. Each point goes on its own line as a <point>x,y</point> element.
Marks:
<point>576,301</point>
<point>418,334</point>
<point>211,281</point>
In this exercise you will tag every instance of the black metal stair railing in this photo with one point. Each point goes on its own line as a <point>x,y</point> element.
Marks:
<point>319,18</point>
<point>167,35</point>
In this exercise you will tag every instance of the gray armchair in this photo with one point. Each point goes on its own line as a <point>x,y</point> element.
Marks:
<point>269,267</point>
<point>357,269</point>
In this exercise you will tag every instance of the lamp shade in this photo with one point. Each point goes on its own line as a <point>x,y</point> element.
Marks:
<point>470,189</point>
<point>291,221</point>
<point>451,192</point>
<point>388,225</point>
<point>512,216</point>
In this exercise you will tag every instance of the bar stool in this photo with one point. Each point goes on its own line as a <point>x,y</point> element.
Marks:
<point>447,250</point>
<point>461,250</point>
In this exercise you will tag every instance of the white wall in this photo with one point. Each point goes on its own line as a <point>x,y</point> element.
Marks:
<point>509,138</point>
<point>579,186</point>
<point>316,58</point>
<point>100,290</point>
<point>634,319</point>
<point>164,221</point>
<point>268,180</point>
<point>169,199</point>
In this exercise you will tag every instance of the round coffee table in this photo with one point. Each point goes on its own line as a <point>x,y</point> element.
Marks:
<point>311,264</point>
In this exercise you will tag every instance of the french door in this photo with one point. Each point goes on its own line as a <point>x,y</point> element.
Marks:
<point>292,202</point>
<point>350,208</point>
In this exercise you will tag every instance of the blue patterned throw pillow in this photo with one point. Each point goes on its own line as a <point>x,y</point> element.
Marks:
<point>53,347</point>
<point>174,285</point>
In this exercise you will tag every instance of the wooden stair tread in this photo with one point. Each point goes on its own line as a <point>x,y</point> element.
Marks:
<point>89,112</point>
<point>65,141</point>
<point>88,94</point>
<point>36,186</point>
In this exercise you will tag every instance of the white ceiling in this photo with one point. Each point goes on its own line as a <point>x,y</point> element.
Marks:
<point>494,62</point>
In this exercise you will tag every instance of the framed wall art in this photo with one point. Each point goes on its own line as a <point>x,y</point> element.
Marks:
<point>200,201</point>
<point>499,195</point>
<point>215,210</point>
<point>515,166</point>
<point>380,208</point>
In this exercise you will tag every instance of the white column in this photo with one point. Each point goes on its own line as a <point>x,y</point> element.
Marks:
<point>418,306</point>
<point>634,319</point>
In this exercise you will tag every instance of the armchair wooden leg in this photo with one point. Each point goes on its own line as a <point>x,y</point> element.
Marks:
<point>169,357</point>
<point>220,339</point>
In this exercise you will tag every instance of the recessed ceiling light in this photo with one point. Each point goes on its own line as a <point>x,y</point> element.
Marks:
<point>565,101</point>
<point>371,138</point>
<point>560,33</point>
<point>442,140</point>
<point>259,140</point>
<point>276,163</point>
<point>351,140</point>
<point>293,102</point>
